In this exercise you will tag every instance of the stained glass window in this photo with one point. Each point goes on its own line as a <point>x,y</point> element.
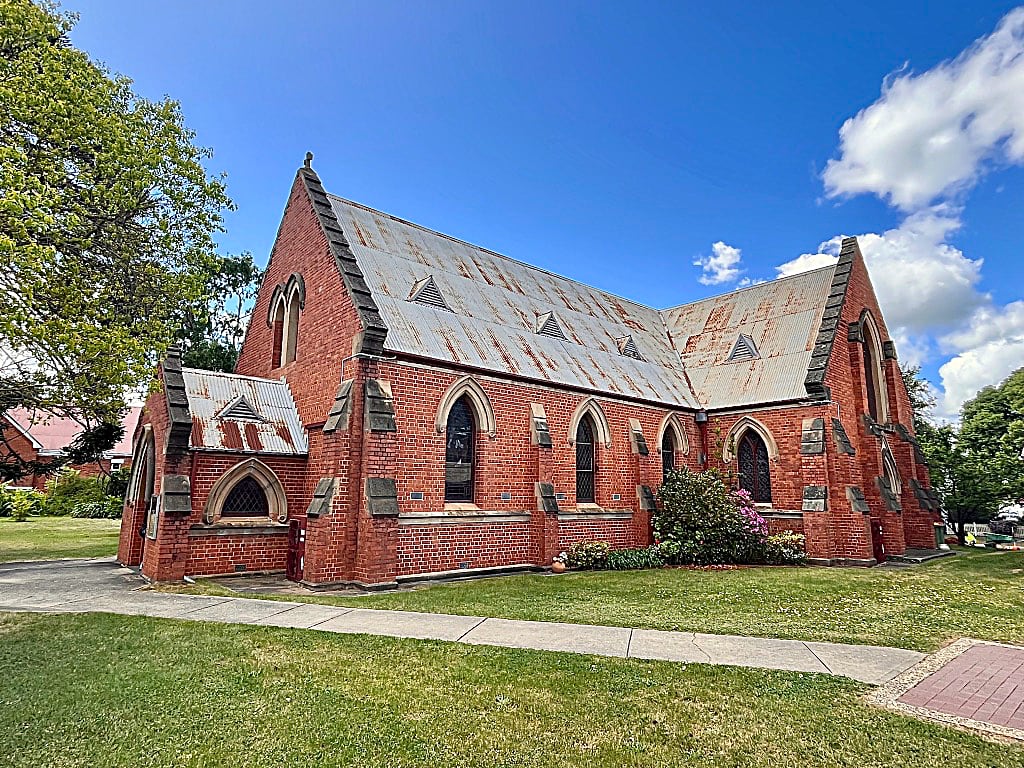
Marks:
<point>246,499</point>
<point>668,451</point>
<point>755,474</point>
<point>585,465</point>
<point>460,438</point>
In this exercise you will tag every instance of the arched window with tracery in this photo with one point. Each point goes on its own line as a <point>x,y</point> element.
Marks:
<point>246,499</point>
<point>250,492</point>
<point>755,473</point>
<point>460,452</point>
<point>586,463</point>
<point>668,450</point>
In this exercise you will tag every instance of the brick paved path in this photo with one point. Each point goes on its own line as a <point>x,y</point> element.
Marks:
<point>984,683</point>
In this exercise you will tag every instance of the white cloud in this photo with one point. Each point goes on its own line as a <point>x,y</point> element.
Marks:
<point>929,295</point>
<point>988,348</point>
<point>923,283</point>
<point>932,135</point>
<point>722,266</point>
<point>808,261</point>
<point>975,368</point>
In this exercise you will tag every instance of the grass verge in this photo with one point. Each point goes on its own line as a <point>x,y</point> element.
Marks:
<point>978,594</point>
<point>104,690</point>
<point>52,538</point>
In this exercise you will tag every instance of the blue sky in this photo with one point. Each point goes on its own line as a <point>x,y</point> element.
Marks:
<point>617,144</point>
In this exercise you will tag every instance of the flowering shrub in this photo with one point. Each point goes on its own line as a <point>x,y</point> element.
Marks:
<point>588,554</point>
<point>709,522</point>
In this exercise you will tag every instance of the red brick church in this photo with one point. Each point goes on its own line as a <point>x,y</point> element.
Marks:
<point>407,405</point>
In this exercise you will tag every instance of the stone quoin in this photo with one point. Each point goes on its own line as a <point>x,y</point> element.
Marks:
<point>407,405</point>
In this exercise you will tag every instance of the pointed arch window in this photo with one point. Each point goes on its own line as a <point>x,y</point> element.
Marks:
<point>586,464</point>
<point>755,473</point>
<point>277,324</point>
<point>246,499</point>
<point>891,472</point>
<point>669,442</point>
<point>874,375</point>
<point>291,330</point>
<point>460,450</point>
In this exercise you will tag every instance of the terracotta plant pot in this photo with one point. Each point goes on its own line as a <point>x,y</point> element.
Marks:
<point>558,567</point>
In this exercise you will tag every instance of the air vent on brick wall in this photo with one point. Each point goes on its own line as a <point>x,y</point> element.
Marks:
<point>628,348</point>
<point>743,349</point>
<point>425,291</point>
<point>547,325</point>
<point>241,409</point>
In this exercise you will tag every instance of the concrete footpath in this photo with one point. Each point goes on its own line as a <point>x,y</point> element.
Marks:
<point>72,586</point>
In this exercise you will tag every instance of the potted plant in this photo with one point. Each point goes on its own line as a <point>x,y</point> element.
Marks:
<point>558,563</point>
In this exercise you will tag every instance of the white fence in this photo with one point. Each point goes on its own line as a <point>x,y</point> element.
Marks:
<point>980,530</point>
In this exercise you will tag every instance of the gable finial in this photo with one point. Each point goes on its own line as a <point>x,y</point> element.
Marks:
<point>309,161</point>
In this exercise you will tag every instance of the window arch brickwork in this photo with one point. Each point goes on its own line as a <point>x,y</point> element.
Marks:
<point>238,486</point>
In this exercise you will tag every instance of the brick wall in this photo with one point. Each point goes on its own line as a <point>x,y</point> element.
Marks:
<point>436,548</point>
<point>212,555</point>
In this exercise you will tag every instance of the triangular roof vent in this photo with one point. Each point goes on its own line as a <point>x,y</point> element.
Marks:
<point>743,349</point>
<point>240,409</point>
<point>425,291</point>
<point>547,325</point>
<point>628,347</point>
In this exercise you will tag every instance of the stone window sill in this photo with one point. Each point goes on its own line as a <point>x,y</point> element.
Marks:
<point>240,527</point>
<point>462,506</point>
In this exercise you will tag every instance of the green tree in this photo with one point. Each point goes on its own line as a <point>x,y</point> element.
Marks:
<point>976,466</point>
<point>212,331</point>
<point>922,397</point>
<point>107,218</point>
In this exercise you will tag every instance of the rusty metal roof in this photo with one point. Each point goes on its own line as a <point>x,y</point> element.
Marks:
<point>782,317</point>
<point>277,429</point>
<point>496,303</point>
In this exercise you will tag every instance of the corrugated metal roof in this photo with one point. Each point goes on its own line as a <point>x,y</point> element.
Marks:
<point>496,303</point>
<point>782,317</point>
<point>278,429</point>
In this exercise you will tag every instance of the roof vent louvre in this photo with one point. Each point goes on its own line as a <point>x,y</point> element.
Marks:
<point>743,349</point>
<point>240,409</point>
<point>547,325</point>
<point>425,291</point>
<point>628,348</point>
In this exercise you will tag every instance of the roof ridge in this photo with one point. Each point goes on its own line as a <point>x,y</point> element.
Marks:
<point>749,287</point>
<point>207,372</point>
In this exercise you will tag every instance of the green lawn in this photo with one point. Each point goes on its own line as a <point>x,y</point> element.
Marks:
<point>978,593</point>
<point>104,690</point>
<point>51,538</point>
